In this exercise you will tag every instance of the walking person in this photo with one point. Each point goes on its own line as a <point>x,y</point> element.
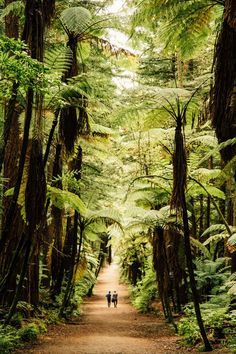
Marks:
<point>108,296</point>
<point>115,298</point>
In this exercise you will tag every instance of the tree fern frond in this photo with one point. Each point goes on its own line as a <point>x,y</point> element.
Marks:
<point>62,199</point>
<point>204,139</point>
<point>205,175</point>
<point>101,130</point>
<point>195,190</point>
<point>73,96</point>
<point>58,60</point>
<point>15,7</point>
<point>216,238</point>
<point>232,240</point>
<point>201,247</point>
<point>76,20</point>
<point>213,229</point>
<point>219,147</point>
<point>105,215</point>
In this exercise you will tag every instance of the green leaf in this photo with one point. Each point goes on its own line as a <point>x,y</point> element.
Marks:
<point>196,190</point>
<point>91,236</point>
<point>200,246</point>
<point>61,199</point>
<point>232,240</point>
<point>9,192</point>
<point>216,238</point>
<point>59,59</point>
<point>213,229</point>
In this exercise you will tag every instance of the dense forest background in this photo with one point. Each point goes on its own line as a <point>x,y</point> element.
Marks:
<point>118,140</point>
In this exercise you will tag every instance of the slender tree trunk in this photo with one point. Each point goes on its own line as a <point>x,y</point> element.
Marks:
<point>13,206</point>
<point>57,227</point>
<point>201,217</point>
<point>72,266</point>
<point>21,281</point>
<point>223,107</point>
<point>208,212</point>
<point>191,276</point>
<point>178,201</point>
<point>50,138</point>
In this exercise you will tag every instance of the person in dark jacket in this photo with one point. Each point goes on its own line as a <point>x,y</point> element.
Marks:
<point>115,298</point>
<point>108,296</point>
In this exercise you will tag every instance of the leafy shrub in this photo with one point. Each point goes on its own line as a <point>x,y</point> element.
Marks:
<point>9,339</point>
<point>188,328</point>
<point>52,316</point>
<point>24,308</point>
<point>16,320</point>
<point>29,332</point>
<point>42,327</point>
<point>231,344</point>
<point>211,275</point>
<point>145,292</point>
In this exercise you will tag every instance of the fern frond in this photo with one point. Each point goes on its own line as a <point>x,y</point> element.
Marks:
<point>213,229</point>
<point>58,60</point>
<point>201,247</point>
<point>62,199</point>
<point>219,147</point>
<point>76,20</point>
<point>216,238</point>
<point>101,130</point>
<point>195,190</point>
<point>16,8</point>
<point>232,240</point>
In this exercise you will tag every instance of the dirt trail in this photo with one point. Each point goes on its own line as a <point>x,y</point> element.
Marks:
<point>103,330</point>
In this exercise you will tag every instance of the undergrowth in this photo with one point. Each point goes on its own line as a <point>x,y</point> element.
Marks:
<point>145,292</point>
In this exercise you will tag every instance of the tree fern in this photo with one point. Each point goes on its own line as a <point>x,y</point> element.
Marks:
<point>76,20</point>
<point>182,25</point>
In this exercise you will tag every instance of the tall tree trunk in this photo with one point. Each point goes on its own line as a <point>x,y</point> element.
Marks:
<point>191,275</point>
<point>178,201</point>
<point>56,227</point>
<point>223,107</point>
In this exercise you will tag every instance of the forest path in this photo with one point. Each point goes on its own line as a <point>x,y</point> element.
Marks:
<point>103,330</point>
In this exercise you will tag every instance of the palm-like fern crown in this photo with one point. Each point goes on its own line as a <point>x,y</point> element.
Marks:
<point>181,25</point>
<point>76,20</point>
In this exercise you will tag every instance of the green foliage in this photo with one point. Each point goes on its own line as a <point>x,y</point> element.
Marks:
<point>189,329</point>
<point>231,344</point>
<point>15,62</point>
<point>58,60</point>
<point>9,339</point>
<point>145,292</point>
<point>212,275</point>
<point>76,20</point>
<point>232,240</point>
<point>29,333</point>
<point>182,26</point>
<point>15,7</point>
<point>62,199</point>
